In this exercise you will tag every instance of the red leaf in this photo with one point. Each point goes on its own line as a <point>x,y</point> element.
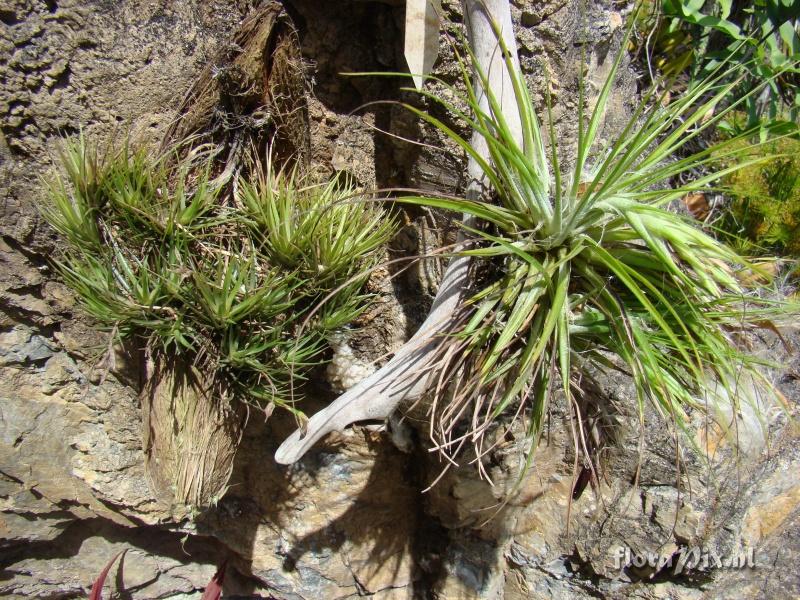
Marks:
<point>97,586</point>
<point>213,590</point>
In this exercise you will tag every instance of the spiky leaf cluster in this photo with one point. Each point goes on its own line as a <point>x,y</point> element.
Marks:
<point>588,269</point>
<point>155,250</point>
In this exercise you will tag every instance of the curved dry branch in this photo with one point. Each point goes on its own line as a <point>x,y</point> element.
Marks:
<point>407,375</point>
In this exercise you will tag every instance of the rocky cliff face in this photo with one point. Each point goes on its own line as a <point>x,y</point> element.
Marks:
<point>351,518</point>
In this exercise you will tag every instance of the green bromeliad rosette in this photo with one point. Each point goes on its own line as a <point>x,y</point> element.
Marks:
<point>232,288</point>
<point>584,267</point>
<point>154,250</point>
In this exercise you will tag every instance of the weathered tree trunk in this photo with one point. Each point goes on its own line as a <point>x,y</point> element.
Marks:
<point>406,375</point>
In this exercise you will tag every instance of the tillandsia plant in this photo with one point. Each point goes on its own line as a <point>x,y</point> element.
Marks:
<point>155,250</point>
<point>584,268</point>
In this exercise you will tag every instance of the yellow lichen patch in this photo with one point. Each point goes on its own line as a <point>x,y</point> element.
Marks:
<point>764,519</point>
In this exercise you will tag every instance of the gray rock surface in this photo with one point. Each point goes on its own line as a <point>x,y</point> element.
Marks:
<point>350,519</point>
